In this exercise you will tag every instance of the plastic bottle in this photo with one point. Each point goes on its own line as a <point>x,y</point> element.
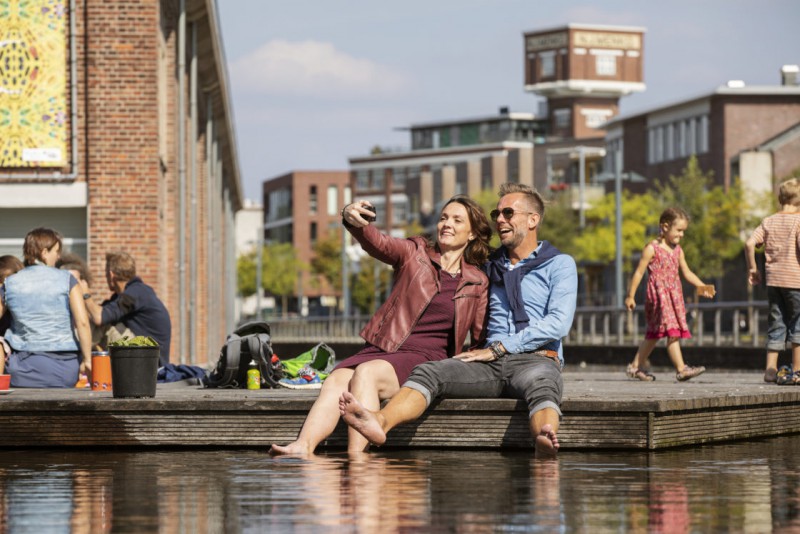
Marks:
<point>253,376</point>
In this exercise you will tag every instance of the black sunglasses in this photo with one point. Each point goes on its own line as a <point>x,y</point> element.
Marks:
<point>507,213</point>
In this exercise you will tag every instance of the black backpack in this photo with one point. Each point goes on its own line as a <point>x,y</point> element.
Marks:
<point>249,342</point>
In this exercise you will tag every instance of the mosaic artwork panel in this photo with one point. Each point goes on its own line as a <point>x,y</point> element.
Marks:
<point>33,83</point>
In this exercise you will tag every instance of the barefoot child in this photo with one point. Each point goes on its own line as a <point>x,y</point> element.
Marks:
<point>665,311</point>
<point>780,235</point>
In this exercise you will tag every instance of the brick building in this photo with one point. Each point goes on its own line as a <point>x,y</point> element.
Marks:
<point>300,208</point>
<point>138,153</point>
<point>750,132</point>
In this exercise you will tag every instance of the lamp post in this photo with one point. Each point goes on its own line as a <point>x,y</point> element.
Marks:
<point>618,225</point>
<point>259,263</point>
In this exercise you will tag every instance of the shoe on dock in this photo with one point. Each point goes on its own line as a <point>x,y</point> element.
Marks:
<point>689,372</point>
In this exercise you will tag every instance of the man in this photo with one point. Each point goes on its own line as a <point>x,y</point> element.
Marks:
<point>134,304</point>
<point>531,306</point>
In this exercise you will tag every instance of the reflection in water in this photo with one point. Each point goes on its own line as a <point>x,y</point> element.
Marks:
<point>747,487</point>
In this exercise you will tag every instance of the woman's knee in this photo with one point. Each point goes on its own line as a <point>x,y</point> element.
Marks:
<point>377,373</point>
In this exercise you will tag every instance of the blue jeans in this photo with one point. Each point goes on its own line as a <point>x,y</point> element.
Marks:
<point>534,378</point>
<point>784,317</point>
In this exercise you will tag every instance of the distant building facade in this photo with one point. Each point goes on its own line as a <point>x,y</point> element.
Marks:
<point>120,137</point>
<point>749,132</point>
<point>300,208</point>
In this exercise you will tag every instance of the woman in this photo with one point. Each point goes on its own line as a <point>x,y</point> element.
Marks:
<point>439,295</point>
<point>44,304</point>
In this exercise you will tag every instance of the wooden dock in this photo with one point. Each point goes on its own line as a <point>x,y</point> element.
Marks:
<point>602,409</point>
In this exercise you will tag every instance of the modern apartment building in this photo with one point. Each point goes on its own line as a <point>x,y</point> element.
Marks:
<point>581,70</point>
<point>117,132</point>
<point>299,208</point>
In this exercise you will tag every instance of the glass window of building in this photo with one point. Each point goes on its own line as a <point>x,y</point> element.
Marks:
<point>312,199</point>
<point>547,62</point>
<point>378,179</point>
<point>606,65</point>
<point>312,231</point>
<point>333,200</point>
<point>399,178</point>
<point>562,117</point>
<point>362,179</point>
<point>399,213</point>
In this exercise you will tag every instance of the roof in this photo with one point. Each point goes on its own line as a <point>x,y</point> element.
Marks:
<point>580,26</point>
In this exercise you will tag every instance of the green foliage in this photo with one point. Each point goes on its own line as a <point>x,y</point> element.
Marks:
<point>714,233</point>
<point>327,260</point>
<point>281,269</point>
<point>246,274</point>
<point>560,225</point>
<point>488,201</point>
<point>597,243</point>
<point>138,341</point>
<point>366,290</point>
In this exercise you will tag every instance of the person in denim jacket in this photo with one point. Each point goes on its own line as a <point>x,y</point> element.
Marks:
<point>44,303</point>
<point>439,296</point>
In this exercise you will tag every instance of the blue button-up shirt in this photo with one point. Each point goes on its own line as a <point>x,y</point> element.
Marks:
<point>550,294</point>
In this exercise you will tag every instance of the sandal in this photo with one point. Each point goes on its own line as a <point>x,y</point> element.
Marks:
<point>788,378</point>
<point>640,374</point>
<point>689,372</point>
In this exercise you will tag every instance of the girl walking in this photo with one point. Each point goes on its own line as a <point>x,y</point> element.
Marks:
<point>665,311</point>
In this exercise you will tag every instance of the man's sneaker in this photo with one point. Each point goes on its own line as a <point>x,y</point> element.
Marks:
<point>307,378</point>
<point>689,372</point>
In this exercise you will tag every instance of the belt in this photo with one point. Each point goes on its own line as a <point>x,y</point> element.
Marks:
<point>547,354</point>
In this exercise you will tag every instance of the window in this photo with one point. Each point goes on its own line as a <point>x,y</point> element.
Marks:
<point>378,178</point>
<point>333,200</point>
<point>312,200</point>
<point>562,117</point>
<point>547,64</point>
<point>606,65</point>
<point>399,213</point>
<point>362,179</point>
<point>399,178</point>
<point>313,232</point>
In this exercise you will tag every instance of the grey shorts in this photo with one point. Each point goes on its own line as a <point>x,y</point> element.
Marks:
<point>783,324</point>
<point>534,378</point>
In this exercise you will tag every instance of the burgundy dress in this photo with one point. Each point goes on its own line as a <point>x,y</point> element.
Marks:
<point>432,338</point>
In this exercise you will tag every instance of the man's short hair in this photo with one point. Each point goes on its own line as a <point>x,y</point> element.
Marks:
<point>789,192</point>
<point>72,262</point>
<point>532,197</point>
<point>122,265</point>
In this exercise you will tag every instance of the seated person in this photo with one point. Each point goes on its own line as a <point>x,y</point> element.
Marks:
<point>44,304</point>
<point>134,305</point>
<point>8,265</point>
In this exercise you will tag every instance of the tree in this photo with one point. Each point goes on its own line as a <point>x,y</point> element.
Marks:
<point>714,235</point>
<point>366,289</point>
<point>327,260</point>
<point>560,224</point>
<point>246,274</point>
<point>281,271</point>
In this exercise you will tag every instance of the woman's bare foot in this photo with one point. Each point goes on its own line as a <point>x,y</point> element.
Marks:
<point>295,448</point>
<point>360,419</point>
<point>546,443</point>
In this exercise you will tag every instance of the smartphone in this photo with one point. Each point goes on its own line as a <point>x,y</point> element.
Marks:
<point>370,218</point>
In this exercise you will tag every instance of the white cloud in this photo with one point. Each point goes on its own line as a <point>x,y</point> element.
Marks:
<point>314,68</point>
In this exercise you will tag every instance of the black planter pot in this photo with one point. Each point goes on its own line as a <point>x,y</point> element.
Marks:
<point>134,371</point>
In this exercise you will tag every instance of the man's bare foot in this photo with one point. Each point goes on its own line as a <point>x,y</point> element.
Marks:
<point>360,419</point>
<point>546,443</point>
<point>295,448</point>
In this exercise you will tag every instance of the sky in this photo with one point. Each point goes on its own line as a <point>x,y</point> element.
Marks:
<point>315,82</point>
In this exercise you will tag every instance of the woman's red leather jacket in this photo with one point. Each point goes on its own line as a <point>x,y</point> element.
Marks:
<point>415,284</point>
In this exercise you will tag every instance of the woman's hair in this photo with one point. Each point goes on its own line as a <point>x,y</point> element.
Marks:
<point>670,215</point>
<point>9,265</point>
<point>789,192</point>
<point>37,241</point>
<point>478,250</point>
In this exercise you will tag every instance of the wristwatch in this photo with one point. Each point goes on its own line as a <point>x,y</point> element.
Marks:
<point>497,349</point>
<point>87,296</point>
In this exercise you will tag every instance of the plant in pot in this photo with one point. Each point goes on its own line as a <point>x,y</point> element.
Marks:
<point>134,366</point>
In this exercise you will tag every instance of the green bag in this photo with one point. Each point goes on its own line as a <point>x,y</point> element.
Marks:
<point>320,357</point>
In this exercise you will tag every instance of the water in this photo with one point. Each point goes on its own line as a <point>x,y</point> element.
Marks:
<point>740,487</point>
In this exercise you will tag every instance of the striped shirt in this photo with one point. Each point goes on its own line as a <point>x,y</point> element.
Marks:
<point>780,235</point>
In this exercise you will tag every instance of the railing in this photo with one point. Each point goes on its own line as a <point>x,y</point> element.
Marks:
<point>736,324</point>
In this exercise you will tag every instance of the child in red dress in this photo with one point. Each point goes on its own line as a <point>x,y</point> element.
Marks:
<point>665,311</point>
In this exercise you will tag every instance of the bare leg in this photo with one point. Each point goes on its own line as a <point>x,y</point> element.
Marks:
<point>372,382</point>
<point>544,425</point>
<point>675,355</point>
<point>795,357</point>
<point>321,419</point>
<point>642,358</point>
<point>408,405</point>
